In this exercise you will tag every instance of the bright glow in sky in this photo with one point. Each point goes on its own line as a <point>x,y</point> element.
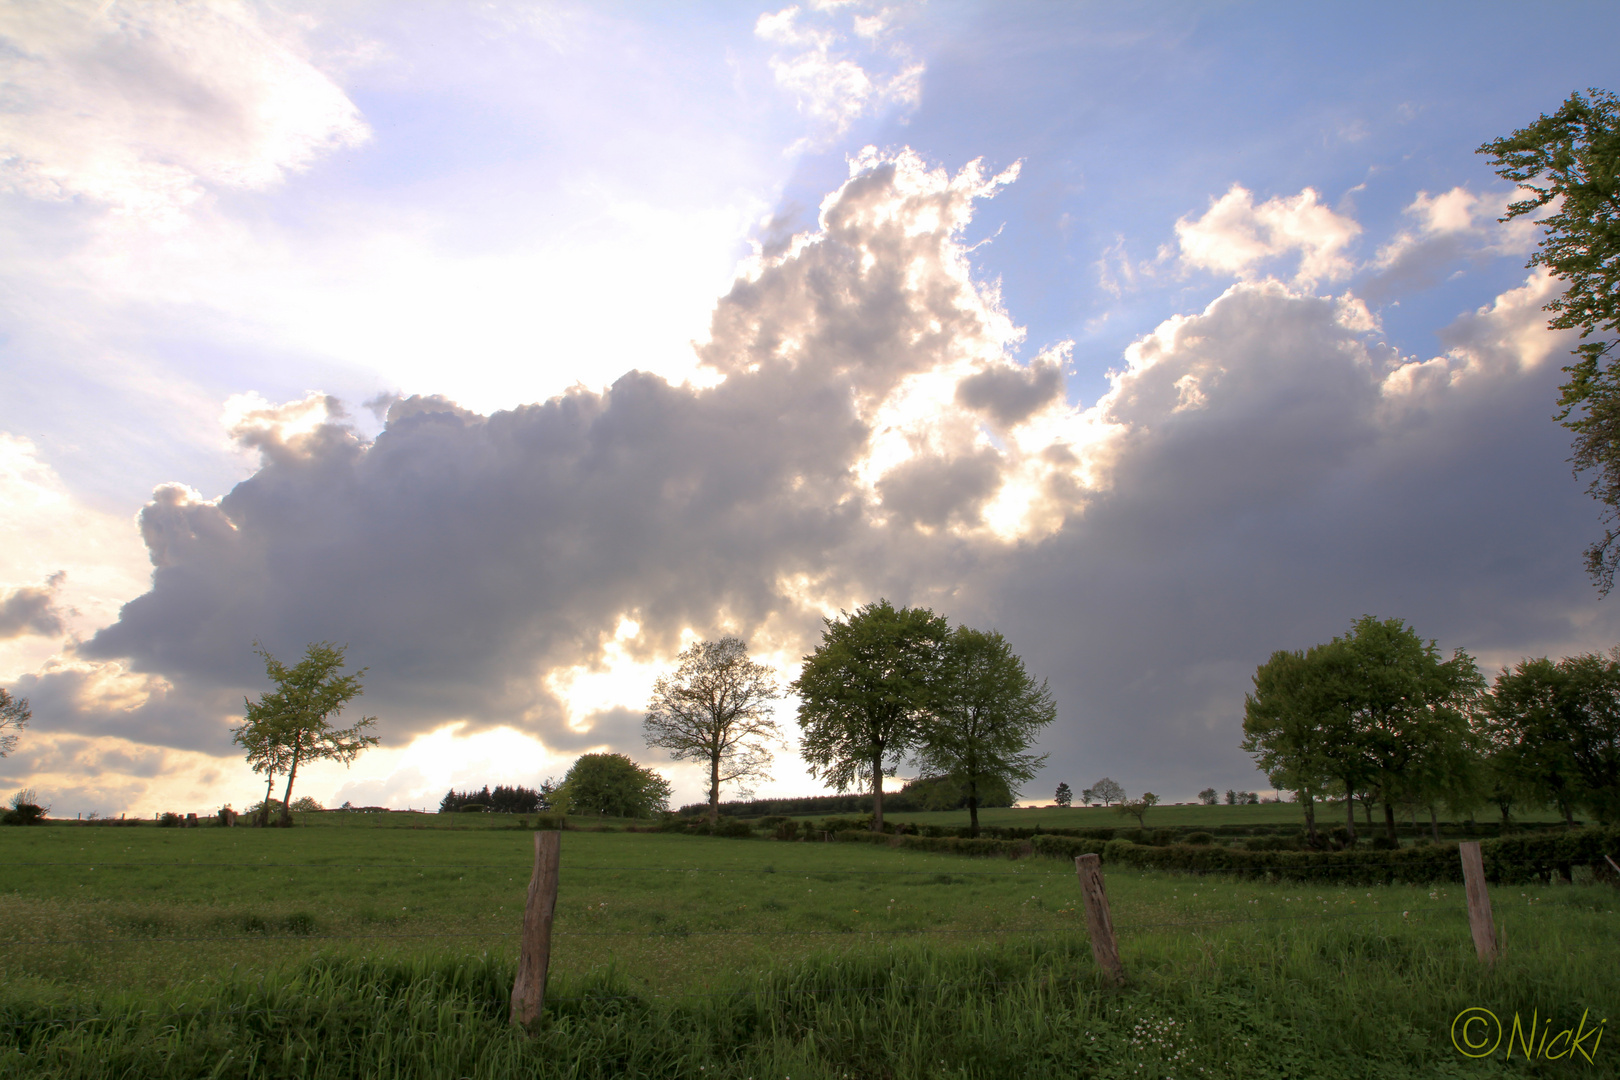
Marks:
<point>1156,337</point>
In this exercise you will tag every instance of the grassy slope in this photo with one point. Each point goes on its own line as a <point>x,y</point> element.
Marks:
<point>1328,982</point>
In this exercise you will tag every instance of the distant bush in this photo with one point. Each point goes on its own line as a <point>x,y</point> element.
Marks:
<point>503,800</point>
<point>1198,838</point>
<point>471,808</point>
<point>170,821</point>
<point>550,822</point>
<point>24,814</point>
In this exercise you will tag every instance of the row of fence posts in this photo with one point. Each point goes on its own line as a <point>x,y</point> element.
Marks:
<point>534,953</point>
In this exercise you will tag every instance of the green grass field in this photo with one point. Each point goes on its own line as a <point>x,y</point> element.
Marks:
<point>385,945</point>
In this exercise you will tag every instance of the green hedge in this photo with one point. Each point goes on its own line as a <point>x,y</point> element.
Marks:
<point>1511,861</point>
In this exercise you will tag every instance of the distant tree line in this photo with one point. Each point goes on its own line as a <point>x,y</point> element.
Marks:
<point>1377,715</point>
<point>928,793</point>
<point>516,799</point>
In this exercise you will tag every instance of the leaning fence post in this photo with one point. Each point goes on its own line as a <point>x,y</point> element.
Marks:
<point>1479,902</point>
<point>534,951</point>
<point>1104,949</point>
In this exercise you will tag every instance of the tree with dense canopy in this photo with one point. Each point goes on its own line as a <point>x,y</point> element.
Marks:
<point>1571,162</point>
<point>1554,728</point>
<point>715,708</point>
<point>292,724</point>
<point>1064,795</point>
<point>14,716</point>
<point>1289,724</point>
<point>984,713</point>
<point>612,785</point>
<point>865,693</point>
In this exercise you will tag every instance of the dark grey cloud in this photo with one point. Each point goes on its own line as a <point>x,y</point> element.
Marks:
<point>1009,394</point>
<point>32,610</point>
<point>1260,474</point>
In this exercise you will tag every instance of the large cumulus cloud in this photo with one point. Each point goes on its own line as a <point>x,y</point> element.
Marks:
<point>1259,473</point>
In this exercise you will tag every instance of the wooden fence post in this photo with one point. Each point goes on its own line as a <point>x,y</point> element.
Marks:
<point>1479,902</point>
<point>534,950</point>
<point>1104,949</point>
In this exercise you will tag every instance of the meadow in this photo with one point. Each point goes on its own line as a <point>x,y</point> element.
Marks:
<point>385,945</point>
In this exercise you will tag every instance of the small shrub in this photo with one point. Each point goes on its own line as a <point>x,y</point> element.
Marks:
<point>471,808</point>
<point>171,821</point>
<point>550,822</point>
<point>733,829</point>
<point>1385,843</point>
<point>24,814</point>
<point>1198,838</point>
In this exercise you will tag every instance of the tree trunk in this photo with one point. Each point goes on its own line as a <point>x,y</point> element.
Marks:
<point>1350,813</point>
<point>1366,808</point>
<point>973,809</point>
<point>1569,815</point>
<point>1310,814</point>
<point>1389,818</point>
<point>877,790</point>
<point>286,799</point>
<point>1434,824</point>
<point>264,811</point>
<point>714,788</point>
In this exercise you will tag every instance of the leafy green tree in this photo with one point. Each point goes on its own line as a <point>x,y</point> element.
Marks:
<point>613,785</point>
<point>292,724</point>
<point>1555,733</point>
<point>866,692</point>
<point>1290,723</point>
<point>14,716</point>
<point>986,711</point>
<point>1208,797</point>
<point>1064,796</point>
<point>1571,161</point>
<point>1138,808</point>
<point>716,708</point>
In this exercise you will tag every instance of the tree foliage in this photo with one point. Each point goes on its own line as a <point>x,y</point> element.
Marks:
<point>612,785</point>
<point>715,708</point>
<point>1554,729</point>
<point>1064,795</point>
<point>985,712</point>
<point>14,716</point>
<point>1571,162</point>
<point>292,724</point>
<point>865,693</point>
<point>1105,791</point>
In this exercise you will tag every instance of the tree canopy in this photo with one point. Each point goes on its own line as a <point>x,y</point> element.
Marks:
<point>1571,162</point>
<point>292,724</point>
<point>1554,728</point>
<point>715,708</point>
<point>613,785</point>
<point>985,712</point>
<point>865,693</point>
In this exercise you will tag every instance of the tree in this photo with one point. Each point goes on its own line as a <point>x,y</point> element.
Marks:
<point>1208,797</point>
<point>14,716</point>
<point>292,724</point>
<point>1064,796</point>
<point>1554,732</point>
<point>1138,808</point>
<point>1107,791</point>
<point>1571,160</point>
<point>1290,723</point>
<point>715,708</point>
<point>865,693</point>
<point>986,711</point>
<point>613,785</point>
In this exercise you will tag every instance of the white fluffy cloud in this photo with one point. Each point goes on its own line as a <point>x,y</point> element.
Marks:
<point>143,106</point>
<point>1237,237</point>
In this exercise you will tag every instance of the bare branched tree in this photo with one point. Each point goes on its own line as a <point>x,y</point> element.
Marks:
<point>716,708</point>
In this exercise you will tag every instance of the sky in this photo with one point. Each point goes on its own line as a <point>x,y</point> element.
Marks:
<point>519,346</point>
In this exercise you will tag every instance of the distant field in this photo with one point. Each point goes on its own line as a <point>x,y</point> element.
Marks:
<point>393,937</point>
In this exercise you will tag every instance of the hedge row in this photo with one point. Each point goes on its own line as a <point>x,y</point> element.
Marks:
<point>1513,860</point>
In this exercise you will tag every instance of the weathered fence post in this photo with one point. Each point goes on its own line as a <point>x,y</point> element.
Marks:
<point>1479,902</point>
<point>1104,949</point>
<point>534,951</point>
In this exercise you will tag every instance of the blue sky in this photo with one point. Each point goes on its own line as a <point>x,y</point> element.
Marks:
<point>1307,378</point>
